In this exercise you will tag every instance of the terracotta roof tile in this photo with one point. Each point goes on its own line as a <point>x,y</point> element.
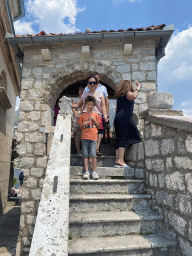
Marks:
<point>150,28</point>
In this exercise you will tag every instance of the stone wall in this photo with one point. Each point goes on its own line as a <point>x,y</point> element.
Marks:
<point>168,164</point>
<point>42,83</point>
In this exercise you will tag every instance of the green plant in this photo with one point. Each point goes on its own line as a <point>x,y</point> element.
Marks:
<point>70,237</point>
<point>14,181</point>
<point>118,177</point>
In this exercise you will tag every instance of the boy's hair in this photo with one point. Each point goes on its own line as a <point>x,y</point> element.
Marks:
<point>90,98</point>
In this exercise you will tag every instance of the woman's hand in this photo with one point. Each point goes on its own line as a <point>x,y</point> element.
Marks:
<point>138,85</point>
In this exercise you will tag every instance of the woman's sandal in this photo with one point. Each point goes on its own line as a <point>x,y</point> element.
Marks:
<point>98,153</point>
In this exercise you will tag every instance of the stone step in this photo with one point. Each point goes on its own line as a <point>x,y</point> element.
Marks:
<point>108,171</point>
<point>102,161</point>
<point>122,245</point>
<point>108,186</point>
<point>109,202</point>
<point>97,224</point>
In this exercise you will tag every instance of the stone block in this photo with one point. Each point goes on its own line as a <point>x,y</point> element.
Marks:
<point>46,54</point>
<point>167,146</point>
<point>183,162</point>
<point>25,172</point>
<point>141,98</point>
<point>139,173</point>
<point>27,84</point>
<point>151,76</point>
<point>188,180</point>
<point>127,49</point>
<point>38,84</point>
<point>169,132</point>
<point>140,148</point>
<point>183,203</point>
<point>21,115</point>
<point>175,181</point>
<point>23,94</point>
<point>186,247</point>
<point>142,107</point>
<point>42,162</point>
<point>31,219</point>
<point>25,241</point>
<point>34,137</point>
<point>169,163</point>
<point>180,145</point>
<point>38,172</point>
<point>157,164</point>
<point>85,51</point>
<point>148,164</point>
<point>36,194</point>
<point>126,76</point>
<point>21,149</point>
<point>164,198</point>
<point>177,222</point>
<point>149,86</point>
<point>28,207</point>
<point>161,100</point>
<point>37,72</point>
<point>161,179</point>
<point>27,126</point>
<point>147,131</point>
<point>33,94</point>
<point>190,230</point>
<point>41,181</point>
<point>26,106</point>
<point>31,182</point>
<point>26,72</point>
<point>156,130</point>
<point>153,180</point>
<point>25,193</point>
<point>22,222</point>
<point>37,106</point>
<point>34,115</point>
<point>123,68</point>
<point>140,76</point>
<point>189,143</point>
<point>152,147</point>
<point>135,67</point>
<point>147,66</point>
<point>27,162</point>
<point>39,149</point>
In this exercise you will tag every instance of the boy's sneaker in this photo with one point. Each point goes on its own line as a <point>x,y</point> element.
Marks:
<point>86,176</point>
<point>95,176</point>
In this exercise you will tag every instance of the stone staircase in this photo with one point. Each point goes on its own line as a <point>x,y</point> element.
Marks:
<point>112,215</point>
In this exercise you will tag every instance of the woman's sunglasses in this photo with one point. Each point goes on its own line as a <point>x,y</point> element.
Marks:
<point>90,83</point>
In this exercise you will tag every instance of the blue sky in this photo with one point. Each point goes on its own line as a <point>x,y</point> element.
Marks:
<point>69,16</point>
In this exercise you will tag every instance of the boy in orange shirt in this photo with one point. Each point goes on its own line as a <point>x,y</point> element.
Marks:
<point>89,122</point>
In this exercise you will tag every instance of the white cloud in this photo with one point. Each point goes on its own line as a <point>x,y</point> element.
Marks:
<point>177,65</point>
<point>56,16</point>
<point>186,106</point>
<point>23,27</point>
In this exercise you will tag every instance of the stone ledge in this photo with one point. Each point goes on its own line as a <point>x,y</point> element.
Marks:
<point>171,118</point>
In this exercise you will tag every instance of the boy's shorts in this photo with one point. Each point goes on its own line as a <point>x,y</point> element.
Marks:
<point>89,148</point>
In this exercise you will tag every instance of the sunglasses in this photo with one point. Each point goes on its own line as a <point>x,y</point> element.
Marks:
<point>90,83</point>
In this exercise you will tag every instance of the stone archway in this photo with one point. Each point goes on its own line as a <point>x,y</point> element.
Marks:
<point>60,79</point>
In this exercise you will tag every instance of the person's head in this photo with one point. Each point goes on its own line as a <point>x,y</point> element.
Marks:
<point>90,103</point>
<point>96,75</point>
<point>124,87</point>
<point>92,83</point>
<point>81,90</point>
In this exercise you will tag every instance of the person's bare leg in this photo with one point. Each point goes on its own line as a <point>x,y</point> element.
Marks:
<point>121,153</point>
<point>86,164</point>
<point>117,155</point>
<point>99,136</point>
<point>20,189</point>
<point>94,163</point>
<point>77,142</point>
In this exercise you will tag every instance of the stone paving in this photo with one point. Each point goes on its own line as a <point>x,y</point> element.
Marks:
<point>9,229</point>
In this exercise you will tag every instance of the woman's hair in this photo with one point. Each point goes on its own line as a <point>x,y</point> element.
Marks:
<point>90,98</point>
<point>124,87</point>
<point>90,78</point>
